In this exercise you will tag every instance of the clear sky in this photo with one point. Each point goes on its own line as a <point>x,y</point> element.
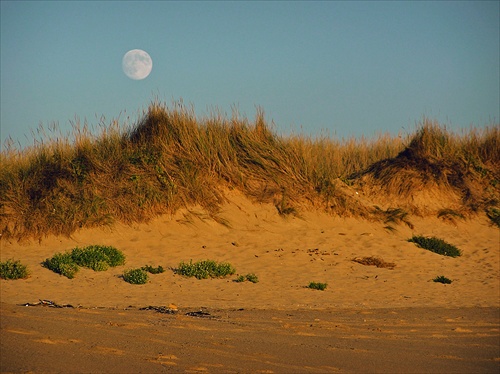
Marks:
<point>348,68</point>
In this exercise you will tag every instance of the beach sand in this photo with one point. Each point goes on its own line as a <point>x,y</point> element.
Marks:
<point>368,319</point>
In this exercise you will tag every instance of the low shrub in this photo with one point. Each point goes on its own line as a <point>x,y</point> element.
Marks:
<point>205,269</point>
<point>95,257</point>
<point>317,286</point>
<point>62,263</point>
<point>436,245</point>
<point>11,269</point>
<point>442,279</point>
<point>249,277</point>
<point>135,276</point>
<point>98,257</point>
<point>153,270</point>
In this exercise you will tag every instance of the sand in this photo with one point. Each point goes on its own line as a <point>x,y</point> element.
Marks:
<point>368,319</point>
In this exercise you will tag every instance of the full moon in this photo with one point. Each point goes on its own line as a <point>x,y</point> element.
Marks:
<point>137,64</point>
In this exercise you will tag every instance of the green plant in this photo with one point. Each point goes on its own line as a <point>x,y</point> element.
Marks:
<point>249,277</point>
<point>252,278</point>
<point>317,286</point>
<point>241,278</point>
<point>153,270</point>
<point>98,257</point>
<point>135,276</point>
<point>11,269</point>
<point>442,279</point>
<point>205,269</point>
<point>436,245</point>
<point>62,263</point>
<point>95,257</point>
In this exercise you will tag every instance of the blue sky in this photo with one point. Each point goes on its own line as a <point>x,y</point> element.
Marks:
<point>348,68</point>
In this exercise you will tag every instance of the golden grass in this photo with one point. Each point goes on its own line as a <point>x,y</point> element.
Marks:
<point>375,261</point>
<point>170,159</point>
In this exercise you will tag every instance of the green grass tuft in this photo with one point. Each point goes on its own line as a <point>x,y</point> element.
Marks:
<point>205,269</point>
<point>62,263</point>
<point>11,269</point>
<point>317,286</point>
<point>436,245</point>
<point>442,279</point>
<point>135,276</point>
<point>153,270</point>
<point>249,277</point>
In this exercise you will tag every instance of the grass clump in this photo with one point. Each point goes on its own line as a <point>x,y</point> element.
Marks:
<point>136,276</point>
<point>98,257</point>
<point>205,269</point>
<point>169,159</point>
<point>95,257</point>
<point>436,245</point>
<point>153,270</point>
<point>449,215</point>
<point>249,277</point>
<point>317,286</point>
<point>442,279</point>
<point>62,263</point>
<point>11,269</point>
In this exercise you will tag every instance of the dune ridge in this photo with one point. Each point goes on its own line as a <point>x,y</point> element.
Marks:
<point>171,160</point>
<point>291,211</point>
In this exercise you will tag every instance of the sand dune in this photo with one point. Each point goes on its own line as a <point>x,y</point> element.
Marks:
<point>286,254</point>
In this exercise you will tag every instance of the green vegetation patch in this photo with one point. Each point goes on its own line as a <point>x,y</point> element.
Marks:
<point>317,286</point>
<point>95,257</point>
<point>11,269</point>
<point>436,245</point>
<point>98,257</point>
<point>205,269</point>
<point>153,270</point>
<point>442,279</point>
<point>135,276</point>
<point>249,277</point>
<point>62,263</point>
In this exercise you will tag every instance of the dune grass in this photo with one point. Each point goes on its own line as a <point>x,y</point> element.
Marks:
<point>442,279</point>
<point>169,159</point>
<point>436,245</point>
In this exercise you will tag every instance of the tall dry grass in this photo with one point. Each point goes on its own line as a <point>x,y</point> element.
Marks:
<point>171,159</point>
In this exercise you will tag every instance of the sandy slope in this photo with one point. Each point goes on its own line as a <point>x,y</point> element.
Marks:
<point>286,254</point>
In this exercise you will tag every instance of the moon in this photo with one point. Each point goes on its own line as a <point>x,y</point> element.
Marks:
<point>137,64</point>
